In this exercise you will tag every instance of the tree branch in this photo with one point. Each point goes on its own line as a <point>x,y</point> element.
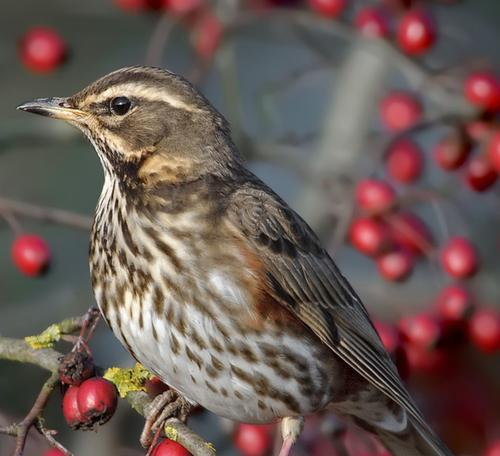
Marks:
<point>18,350</point>
<point>45,214</point>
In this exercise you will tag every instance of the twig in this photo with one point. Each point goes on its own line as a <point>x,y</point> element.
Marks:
<point>13,223</point>
<point>49,436</point>
<point>268,92</point>
<point>285,155</point>
<point>45,214</point>
<point>159,39</point>
<point>41,401</point>
<point>9,430</point>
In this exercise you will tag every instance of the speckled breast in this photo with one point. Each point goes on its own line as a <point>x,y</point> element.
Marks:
<point>183,308</point>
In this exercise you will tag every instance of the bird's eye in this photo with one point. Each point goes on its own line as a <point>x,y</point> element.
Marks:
<point>120,105</point>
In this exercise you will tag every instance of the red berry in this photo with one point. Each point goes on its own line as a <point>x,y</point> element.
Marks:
<point>31,254</point>
<point>53,452</point>
<point>97,400</point>
<point>452,151</point>
<point>389,336</point>
<point>168,447</point>
<point>368,236</point>
<point>71,412</point>
<point>421,359</point>
<point>409,232</point>
<point>454,304</point>
<point>404,161</point>
<point>400,111</point>
<point>252,440</point>
<point>374,195</point>
<point>480,174</point>
<point>459,258</point>
<point>483,89</point>
<point>154,386</point>
<point>42,49</point>
<point>494,152</point>
<point>478,130</point>
<point>182,6</point>
<point>328,8</point>
<point>416,32</point>
<point>395,266</point>
<point>207,35</point>
<point>420,330</point>
<point>484,330</point>
<point>372,22</point>
<point>493,449</point>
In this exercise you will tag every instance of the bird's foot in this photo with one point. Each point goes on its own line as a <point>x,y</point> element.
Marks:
<point>167,405</point>
<point>291,427</point>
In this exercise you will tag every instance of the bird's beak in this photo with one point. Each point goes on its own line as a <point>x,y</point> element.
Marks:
<point>56,107</point>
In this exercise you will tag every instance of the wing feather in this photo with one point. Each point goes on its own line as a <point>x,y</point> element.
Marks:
<point>322,297</point>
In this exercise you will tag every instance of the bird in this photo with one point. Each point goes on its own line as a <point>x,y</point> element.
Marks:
<point>213,282</point>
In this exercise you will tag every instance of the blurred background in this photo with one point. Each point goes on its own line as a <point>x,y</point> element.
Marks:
<point>376,120</point>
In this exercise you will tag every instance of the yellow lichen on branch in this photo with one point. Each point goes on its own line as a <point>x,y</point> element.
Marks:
<point>171,432</point>
<point>54,332</point>
<point>128,380</point>
<point>46,339</point>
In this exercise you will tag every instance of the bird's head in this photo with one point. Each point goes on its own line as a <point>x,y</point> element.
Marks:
<point>147,124</point>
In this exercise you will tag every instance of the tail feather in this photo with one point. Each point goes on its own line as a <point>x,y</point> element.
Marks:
<point>401,433</point>
<point>414,440</point>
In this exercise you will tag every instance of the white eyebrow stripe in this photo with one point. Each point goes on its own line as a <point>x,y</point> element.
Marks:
<point>140,91</point>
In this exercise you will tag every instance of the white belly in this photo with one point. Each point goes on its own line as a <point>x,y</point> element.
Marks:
<point>213,364</point>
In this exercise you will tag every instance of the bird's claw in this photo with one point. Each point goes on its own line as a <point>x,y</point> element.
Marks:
<point>164,406</point>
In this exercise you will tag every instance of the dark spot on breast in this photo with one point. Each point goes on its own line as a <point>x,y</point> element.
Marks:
<point>216,363</point>
<point>196,338</point>
<point>215,344</point>
<point>174,344</point>
<point>158,301</point>
<point>246,352</point>
<point>212,373</point>
<point>132,246</point>
<point>163,247</point>
<point>193,357</point>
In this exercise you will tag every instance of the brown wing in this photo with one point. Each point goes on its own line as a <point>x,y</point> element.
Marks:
<point>304,279</point>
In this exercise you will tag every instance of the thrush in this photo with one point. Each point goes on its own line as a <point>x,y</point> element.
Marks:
<point>213,282</point>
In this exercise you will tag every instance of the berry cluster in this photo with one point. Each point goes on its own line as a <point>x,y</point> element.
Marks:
<point>420,342</point>
<point>414,30</point>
